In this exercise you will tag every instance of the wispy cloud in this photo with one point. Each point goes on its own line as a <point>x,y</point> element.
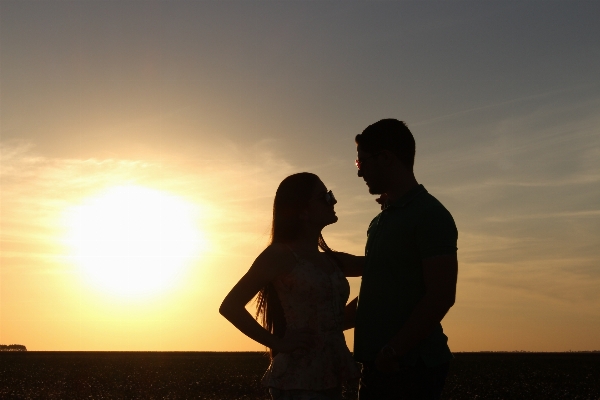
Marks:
<point>36,190</point>
<point>522,183</point>
<point>523,99</point>
<point>573,214</point>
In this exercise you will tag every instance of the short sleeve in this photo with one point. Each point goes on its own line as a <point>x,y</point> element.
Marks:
<point>373,223</point>
<point>436,232</point>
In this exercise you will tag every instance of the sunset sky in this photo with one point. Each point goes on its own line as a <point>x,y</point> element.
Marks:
<point>142,144</point>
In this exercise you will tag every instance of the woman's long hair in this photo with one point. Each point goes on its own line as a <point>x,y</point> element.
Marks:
<point>291,198</point>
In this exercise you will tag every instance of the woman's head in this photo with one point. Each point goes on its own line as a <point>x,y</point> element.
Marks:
<point>301,201</point>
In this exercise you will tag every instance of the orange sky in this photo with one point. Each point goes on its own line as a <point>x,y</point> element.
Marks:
<point>204,108</point>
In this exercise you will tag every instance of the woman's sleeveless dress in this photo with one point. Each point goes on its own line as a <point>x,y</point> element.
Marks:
<point>315,299</point>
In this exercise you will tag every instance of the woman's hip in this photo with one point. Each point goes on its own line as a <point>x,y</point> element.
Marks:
<point>299,394</point>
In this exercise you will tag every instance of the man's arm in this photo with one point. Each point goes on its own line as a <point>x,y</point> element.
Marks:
<point>350,314</point>
<point>440,274</point>
<point>351,265</point>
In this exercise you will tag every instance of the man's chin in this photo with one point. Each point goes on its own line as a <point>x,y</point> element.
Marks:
<point>375,190</point>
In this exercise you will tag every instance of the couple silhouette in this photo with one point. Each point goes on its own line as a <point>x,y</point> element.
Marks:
<point>409,274</point>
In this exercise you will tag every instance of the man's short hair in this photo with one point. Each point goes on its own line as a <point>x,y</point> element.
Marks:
<point>392,135</point>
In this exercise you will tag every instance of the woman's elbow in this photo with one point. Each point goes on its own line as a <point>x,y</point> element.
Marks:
<point>226,309</point>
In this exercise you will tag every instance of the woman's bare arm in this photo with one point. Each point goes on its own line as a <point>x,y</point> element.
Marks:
<point>271,263</point>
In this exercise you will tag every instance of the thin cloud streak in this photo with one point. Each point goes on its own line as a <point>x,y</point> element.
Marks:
<point>505,103</point>
<point>574,214</point>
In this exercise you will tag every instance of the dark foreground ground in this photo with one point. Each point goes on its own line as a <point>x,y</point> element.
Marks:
<point>231,376</point>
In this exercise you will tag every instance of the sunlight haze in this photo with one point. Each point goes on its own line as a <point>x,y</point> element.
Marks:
<point>132,240</point>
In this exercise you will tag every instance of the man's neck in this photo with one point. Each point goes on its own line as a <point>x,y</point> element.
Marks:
<point>400,188</point>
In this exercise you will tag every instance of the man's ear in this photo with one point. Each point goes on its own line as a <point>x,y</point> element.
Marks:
<point>387,158</point>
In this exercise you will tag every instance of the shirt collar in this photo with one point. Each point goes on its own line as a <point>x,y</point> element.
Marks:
<point>406,197</point>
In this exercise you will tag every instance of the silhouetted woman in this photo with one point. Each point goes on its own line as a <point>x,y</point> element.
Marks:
<point>302,292</point>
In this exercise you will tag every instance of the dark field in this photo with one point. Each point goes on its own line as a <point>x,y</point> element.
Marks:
<point>230,376</point>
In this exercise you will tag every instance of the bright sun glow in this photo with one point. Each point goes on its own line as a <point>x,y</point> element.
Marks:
<point>133,240</point>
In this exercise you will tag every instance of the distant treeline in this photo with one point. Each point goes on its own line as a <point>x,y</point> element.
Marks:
<point>534,352</point>
<point>12,347</point>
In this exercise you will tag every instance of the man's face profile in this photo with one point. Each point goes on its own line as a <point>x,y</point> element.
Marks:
<point>370,171</point>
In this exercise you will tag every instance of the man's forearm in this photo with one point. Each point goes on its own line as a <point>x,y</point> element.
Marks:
<point>427,314</point>
<point>440,274</point>
<point>350,314</point>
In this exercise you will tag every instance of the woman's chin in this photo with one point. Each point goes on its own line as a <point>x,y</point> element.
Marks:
<point>332,220</point>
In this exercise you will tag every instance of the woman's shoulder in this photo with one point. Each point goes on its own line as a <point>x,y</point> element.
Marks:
<point>277,257</point>
<point>278,250</point>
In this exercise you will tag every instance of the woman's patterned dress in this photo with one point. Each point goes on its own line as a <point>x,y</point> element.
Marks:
<point>315,299</point>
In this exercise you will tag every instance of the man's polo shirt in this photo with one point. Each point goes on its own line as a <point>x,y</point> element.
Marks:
<point>413,228</point>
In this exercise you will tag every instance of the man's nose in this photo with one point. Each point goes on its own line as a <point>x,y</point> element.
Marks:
<point>359,173</point>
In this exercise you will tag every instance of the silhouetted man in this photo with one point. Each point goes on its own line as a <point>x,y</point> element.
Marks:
<point>409,278</point>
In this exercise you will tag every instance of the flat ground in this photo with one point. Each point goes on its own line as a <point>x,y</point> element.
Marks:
<point>231,376</point>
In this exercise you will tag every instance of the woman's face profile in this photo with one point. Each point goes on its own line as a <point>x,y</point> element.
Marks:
<point>320,213</point>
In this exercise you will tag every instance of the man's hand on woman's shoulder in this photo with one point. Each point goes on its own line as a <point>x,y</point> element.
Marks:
<point>351,265</point>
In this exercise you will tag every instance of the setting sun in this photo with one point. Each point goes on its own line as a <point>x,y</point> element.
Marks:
<point>132,240</point>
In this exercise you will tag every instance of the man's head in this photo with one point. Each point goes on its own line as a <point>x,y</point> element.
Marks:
<point>386,153</point>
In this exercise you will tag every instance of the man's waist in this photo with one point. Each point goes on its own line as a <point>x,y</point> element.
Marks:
<point>405,361</point>
<point>368,343</point>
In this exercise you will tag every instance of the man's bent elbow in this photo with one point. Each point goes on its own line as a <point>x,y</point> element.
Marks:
<point>447,304</point>
<point>450,300</point>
